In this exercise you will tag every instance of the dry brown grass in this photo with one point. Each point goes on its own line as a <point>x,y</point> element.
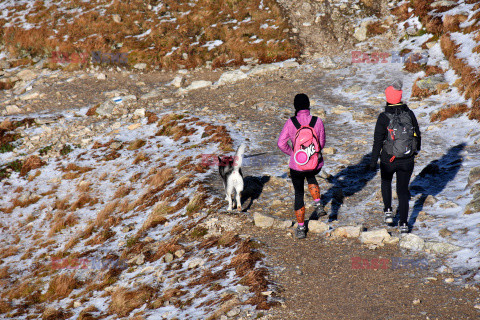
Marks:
<point>451,23</point>
<point>449,112</point>
<point>161,178</point>
<point>4,272</point>
<point>8,251</point>
<point>62,204</point>
<point>375,28</point>
<point>60,222</point>
<point>136,144</point>
<point>83,200</point>
<point>122,192</point>
<point>105,216</point>
<point>61,286</point>
<point>189,33</point>
<point>124,301</point>
<point>158,216</point>
<point>83,186</point>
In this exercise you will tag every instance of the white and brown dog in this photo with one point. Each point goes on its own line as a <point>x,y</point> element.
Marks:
<point>230,169</point>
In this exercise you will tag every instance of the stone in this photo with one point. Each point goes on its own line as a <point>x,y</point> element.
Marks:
<point>473,176</point>
<point>329,150</point>
<point>375,237</point>
<point>116,18</point>
<point>199,84</point>
<point>443,3</point>
<point>168,257</point>
<point>179,253</point>
<point>77,304</point>
<point>444,233</point>
<point>134,126</point>
<point>475,189</point>
<point>101,76</point>
<point>412,242</point>
<point>353,89</point>
<point>29,95</point>
<point>26,75</point>
<point>263,69</point>
<point>290,64</point>
<point>138,260</point>
<point>448,205</point>
<point>139,112</point>
<point>196,262</point>
<point>339,109</point>
<point>392,241</point>
<point>346,232</point>
<point>473,206</point>
<point>441,247</point>
<point>232,313</point>
<point>140,66</point>
<point>325,63</point>
<point>263,220</point>
<point>231,77</point>
<point>152,94</point>
<point>317,226</point>
<point>177,82</point>
<point>449,280</point>
<point>12,109</point>
<point>430,200</point>
<point>282,224</point>
<point>431,83</point>
<point>360,33</point>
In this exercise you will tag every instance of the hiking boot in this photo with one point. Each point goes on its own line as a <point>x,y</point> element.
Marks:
<point>301,232</point>
<point>403,227</point>
<point>388,218</point>
<point>319,209</point>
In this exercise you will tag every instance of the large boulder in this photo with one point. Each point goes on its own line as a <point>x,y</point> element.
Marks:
<point>412,242</point>
<point>441,247</point>
<point>375,237</point>
<point>316,226</point>
<point>231,77</point>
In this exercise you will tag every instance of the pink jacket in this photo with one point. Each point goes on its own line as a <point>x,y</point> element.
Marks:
<point>289,131</point>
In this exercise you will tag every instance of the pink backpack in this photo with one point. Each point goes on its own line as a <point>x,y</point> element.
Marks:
<point>306,147</point>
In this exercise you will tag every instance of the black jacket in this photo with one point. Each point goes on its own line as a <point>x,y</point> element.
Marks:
<point>380,134</point>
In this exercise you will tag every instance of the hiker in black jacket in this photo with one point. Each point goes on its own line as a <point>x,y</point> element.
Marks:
<point>386,140</point>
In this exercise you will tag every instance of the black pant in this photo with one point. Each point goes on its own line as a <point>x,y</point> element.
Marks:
<point>404,172</point>
<point>298,178</point>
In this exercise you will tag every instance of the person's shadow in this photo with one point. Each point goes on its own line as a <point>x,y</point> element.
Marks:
<point>434,178</point>
<point>346,183</point>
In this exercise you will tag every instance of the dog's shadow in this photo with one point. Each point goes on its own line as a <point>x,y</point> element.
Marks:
<point>252,189</point>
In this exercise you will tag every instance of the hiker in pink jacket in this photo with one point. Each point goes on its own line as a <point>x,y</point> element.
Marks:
<point>298,174</point>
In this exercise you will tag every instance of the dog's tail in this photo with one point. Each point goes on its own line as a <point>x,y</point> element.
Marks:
<point>237,161</point>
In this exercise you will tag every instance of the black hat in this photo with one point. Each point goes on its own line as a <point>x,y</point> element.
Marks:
<point>301,102</point>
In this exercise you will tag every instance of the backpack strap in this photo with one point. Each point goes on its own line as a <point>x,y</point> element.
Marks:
<point>295,122</point>
<point>298,125</point>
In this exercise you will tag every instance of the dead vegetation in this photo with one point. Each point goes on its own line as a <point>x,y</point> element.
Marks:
<point>124,301</point>
<point>76,35</point>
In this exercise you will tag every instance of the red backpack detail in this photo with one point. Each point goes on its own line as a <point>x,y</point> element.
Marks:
<point>306,147</point>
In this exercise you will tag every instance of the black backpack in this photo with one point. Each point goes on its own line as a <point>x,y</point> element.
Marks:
<point>401,139</point>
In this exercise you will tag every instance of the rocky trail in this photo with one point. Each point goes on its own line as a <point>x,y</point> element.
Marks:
<point>331,274</point>
<point>350,266</point>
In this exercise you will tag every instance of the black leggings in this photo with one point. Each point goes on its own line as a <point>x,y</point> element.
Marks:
<point>298,178</point>
<point>404,172</point>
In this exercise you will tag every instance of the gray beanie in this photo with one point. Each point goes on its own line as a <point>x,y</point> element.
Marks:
<point>397,84</point>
